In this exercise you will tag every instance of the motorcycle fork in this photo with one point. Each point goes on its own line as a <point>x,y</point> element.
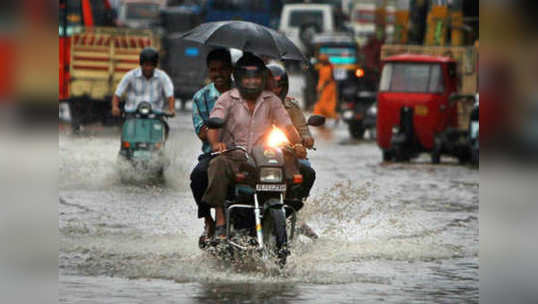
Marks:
<point>258,220</point>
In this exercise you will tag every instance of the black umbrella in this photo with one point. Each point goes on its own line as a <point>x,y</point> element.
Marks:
<point>246,36</point>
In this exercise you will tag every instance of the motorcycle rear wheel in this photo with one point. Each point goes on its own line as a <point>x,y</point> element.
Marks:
<point>356,130</point>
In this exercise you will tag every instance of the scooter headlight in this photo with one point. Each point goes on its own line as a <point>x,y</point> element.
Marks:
<point>270,175</point>
<point>144,108</point>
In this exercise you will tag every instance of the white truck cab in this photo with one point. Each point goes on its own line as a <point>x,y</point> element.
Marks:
<point>300,22</point>
<point>139,14</point>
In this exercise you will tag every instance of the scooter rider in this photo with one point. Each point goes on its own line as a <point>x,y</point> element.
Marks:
<point>249,113</point>
<point>219,67</point>
<point>145,83</point>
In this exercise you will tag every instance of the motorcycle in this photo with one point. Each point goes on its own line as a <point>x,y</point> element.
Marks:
<point>358,106</point>
<point>258,210</point>
<point>143,138</point>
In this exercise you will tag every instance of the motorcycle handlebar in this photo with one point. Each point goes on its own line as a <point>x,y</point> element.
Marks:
<point>229,150</point>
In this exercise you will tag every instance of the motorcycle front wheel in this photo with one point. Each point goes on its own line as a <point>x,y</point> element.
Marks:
<point>275,226</point>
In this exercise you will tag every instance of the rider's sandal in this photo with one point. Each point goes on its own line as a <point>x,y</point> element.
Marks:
<point>220,232</point>
<point>207,235</point>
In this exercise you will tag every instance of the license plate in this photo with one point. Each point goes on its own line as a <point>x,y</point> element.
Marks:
<point>142,154</point>
<point>271,187</point>
<point>340,74</point>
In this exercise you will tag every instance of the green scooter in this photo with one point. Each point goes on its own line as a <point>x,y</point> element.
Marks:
<point>143,138</point>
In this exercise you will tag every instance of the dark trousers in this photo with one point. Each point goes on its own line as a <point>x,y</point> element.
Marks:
<point>309,176</point>
<point>199,184</point>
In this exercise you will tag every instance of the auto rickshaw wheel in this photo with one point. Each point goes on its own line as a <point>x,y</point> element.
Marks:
<point>436,152</point>
<point>387,156</point>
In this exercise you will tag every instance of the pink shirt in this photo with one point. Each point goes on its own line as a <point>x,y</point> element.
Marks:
<point>242,129</point>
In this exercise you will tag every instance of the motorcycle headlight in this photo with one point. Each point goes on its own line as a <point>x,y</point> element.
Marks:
<point>277,138</point>
<point>270,175</point>
<point>348,115</point>
<point>372,110</point>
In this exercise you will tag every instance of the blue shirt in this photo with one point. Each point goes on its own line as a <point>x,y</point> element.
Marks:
<point>202,104</point>
<point>138,88</point>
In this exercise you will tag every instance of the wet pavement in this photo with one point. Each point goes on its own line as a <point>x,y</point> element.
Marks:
<point>392,232</point>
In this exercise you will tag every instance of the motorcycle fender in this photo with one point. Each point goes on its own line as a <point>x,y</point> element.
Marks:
<point>272,203</point>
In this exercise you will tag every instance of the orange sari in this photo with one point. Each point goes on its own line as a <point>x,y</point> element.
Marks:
<point>326,104</point>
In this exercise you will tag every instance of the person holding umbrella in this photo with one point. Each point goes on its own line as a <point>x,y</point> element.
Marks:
<point>249,113</point>
<point>219,68</point>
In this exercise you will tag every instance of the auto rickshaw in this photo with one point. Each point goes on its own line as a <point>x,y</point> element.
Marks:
<point>414,104</point>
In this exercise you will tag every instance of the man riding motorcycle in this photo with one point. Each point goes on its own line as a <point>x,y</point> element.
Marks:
<point>146,83</point>
<point>249,113</point>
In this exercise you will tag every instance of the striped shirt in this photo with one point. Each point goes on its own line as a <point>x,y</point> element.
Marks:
<point>202,104</point>
<point>138,88</point>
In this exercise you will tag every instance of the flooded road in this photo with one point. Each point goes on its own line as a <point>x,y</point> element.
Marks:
<point>398,233</point>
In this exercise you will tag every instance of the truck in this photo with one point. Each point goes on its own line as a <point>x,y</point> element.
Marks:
<point>94,56</point>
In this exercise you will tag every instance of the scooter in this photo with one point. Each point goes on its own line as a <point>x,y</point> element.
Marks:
<point>257,210</point>
<point>143,138</point>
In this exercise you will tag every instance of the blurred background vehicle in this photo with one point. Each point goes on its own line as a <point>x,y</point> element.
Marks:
<point>300,22</point>
<point>264,12</point>
<point>364,23</point>
<point>183,61</point>
<point>139,14</point>
<point>343,53</point>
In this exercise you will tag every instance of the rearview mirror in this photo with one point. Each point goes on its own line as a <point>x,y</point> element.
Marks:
<point>316,120</point>
<point>215,123</point>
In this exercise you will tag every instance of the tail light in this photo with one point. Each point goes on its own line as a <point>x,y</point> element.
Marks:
<point>359,73</point>
<point>297,178</point>
<point>240,177</point>
<point>125,144</point>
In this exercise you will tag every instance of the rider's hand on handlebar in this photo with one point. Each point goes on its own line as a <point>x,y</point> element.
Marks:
<point>218,147</point>
<point>308,142</point>
<point>300,151</point>
<point>116,111</point>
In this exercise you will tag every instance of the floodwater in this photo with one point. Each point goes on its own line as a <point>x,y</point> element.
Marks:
<point>389,232</point>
